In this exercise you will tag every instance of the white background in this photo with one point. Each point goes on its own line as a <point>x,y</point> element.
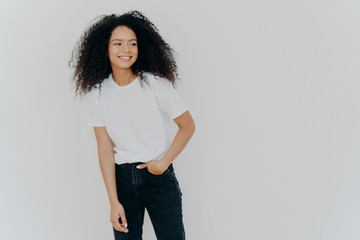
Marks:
<point>273,87</point>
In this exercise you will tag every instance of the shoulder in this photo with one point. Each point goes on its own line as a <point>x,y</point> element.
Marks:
<point>157,81</point>
<point>98,89</point>
<point>95,91</point>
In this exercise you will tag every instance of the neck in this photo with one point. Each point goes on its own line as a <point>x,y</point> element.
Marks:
<point>123,76</point>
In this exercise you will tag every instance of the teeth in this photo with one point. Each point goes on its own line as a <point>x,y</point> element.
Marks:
<point>125,57</point>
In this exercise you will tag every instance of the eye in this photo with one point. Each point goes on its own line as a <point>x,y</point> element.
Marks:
<point>117,43</point>
<point>133,44</point>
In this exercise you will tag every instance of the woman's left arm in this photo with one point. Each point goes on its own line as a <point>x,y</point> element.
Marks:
<point>186,129</point>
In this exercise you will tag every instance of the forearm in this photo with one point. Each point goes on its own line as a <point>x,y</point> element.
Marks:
<point>180,141</point>
<point>107,166</point>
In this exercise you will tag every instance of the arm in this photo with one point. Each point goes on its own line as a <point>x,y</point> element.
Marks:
<point>105,149</point>
<point>186,130</point>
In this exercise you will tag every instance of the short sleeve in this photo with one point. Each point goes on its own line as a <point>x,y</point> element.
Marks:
<point>94,116</point>
<point>169,100</point>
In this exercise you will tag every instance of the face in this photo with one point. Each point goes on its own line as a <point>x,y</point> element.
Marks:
<point>123,50</point>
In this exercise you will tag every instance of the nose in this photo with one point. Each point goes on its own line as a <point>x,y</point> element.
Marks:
<point>125,48</point>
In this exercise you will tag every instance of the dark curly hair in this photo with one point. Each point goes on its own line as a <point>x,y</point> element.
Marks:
<point>89,57</point>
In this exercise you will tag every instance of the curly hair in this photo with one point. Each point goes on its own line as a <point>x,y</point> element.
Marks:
<point>89,56</point>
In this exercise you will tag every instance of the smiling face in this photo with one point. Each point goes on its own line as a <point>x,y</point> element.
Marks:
<point>123,49</point>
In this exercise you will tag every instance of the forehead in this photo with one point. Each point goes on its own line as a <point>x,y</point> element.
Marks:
<point>123,33</point>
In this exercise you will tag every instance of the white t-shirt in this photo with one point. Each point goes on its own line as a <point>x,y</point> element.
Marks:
<point>137,118</point>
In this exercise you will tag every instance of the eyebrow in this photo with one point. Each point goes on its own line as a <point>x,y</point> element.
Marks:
<point>122,40</point>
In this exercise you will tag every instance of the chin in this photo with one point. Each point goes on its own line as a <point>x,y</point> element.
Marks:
<point>125,66</point>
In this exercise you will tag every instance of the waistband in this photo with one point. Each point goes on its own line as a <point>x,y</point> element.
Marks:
<point>138,163</point>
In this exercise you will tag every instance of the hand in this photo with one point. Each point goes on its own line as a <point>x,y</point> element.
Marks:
<point>117,211</point>
<point>154,167</point>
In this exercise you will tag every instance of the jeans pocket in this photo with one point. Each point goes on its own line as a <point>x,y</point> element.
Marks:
<point>168,171</point>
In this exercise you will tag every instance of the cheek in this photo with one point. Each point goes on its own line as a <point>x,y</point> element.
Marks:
<point>111,56</point>
<point>113,59</point>
<point>112,53</point>
<point>136,52</point>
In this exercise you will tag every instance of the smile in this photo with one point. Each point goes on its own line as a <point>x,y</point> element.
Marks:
<point>125,58</point>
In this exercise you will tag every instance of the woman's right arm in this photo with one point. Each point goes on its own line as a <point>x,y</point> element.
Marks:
<point>105,149</point>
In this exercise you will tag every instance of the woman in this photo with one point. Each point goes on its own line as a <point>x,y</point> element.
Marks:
<point>131,121</point>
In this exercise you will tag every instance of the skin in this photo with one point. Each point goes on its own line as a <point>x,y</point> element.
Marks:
<point>123,42</point>
<point>123,75</point>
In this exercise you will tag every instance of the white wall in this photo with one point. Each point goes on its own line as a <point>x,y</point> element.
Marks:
<point>273,87</point>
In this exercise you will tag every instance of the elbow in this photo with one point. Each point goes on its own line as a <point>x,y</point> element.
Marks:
<point>188,128</point>
<point>192,128</point>
<point>105,148</point>
<point>185,122</point>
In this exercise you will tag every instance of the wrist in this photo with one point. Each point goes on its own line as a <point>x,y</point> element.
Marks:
<point>114,202</point>
<point>163,164</point>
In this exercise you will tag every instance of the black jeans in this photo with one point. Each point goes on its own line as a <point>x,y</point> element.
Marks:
<point>138,189</point>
